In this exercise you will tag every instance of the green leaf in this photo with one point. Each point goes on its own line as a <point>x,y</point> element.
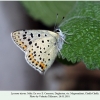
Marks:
<point>46,11</point>
<point>82,30</point>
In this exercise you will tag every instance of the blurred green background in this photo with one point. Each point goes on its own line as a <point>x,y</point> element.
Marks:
<point>46,11</point>
<point>15,73</point>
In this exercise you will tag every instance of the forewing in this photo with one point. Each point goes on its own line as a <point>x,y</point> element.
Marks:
<point>24,38</point>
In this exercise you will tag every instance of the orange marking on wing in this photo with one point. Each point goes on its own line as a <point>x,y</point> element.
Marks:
<point>36,62</point>
<point>17,36</point>
<point>33,60</point>
<point>42,65</point>
<point>25,47</point>
<point>22,44</point>
<point>31,55</point>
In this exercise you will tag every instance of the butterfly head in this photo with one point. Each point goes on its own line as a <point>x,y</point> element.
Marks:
<point>59,32</point>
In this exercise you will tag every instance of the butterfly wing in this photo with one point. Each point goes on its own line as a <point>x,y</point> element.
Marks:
<point>40,47</point>
<point>24,38</point>
<point>42,53</point>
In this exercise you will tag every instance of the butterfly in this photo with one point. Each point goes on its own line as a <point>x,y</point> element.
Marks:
<point>40,46</point>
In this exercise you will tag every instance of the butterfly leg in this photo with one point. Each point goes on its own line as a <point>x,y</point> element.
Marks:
<point>59,50</point>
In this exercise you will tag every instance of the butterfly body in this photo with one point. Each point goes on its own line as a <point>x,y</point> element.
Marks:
<point>40,47</point>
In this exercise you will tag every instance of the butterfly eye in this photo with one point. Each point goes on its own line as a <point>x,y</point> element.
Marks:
<point>57,30</point>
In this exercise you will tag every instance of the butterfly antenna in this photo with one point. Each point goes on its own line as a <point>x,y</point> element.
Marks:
<point>62,19</point>
<point>56,22</point>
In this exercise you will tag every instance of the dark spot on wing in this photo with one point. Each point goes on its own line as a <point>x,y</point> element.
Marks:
<point>35,55</point>
<point>40,51</point>
<point>31,35</point>
<point>45,34</point>
<point>47,40</point>
<point>25,32</point>
<point>45,52</point>
<point>38,35</point>
<point>48,53</point>
<point>35,44</point>
<point>30,42</point>
<point>28,39</point>
<point>32,61</point>
<point>42,41</point>
<point>24,37</point>
<point>34,52</point>
<point>54,43</point>
<point>48,59</point>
